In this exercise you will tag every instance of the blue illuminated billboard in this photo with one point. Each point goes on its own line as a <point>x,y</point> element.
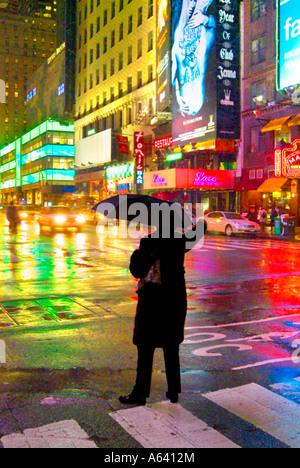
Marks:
<point>288,50</point>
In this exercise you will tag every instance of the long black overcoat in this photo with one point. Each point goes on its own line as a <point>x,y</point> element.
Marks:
<point>161,309</point>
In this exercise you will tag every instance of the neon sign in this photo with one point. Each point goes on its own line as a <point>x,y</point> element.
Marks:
<point>206,180</point>
<point>139,151</point>
<point>163,143</point>
<point>287,161</point>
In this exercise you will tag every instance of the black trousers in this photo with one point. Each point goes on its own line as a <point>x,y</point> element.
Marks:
<point>145,366</point>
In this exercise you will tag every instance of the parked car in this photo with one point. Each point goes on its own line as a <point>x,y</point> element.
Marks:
<point>230,223</point>
<point>60,217</point>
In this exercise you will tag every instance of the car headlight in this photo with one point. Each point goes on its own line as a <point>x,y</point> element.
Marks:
<point>60,219</point>
<point>80,219</point>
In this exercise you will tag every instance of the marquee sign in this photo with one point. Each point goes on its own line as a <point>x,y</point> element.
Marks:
<point>287,161</point>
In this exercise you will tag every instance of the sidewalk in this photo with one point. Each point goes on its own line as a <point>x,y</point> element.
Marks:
<point>269,235</point>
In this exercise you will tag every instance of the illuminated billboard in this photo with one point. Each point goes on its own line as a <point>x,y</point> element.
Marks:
<point>163,67</point>
<point>288,46</point>
<point>205,70</point>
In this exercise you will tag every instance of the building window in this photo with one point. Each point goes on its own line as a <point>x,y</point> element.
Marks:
<point>258,9</point>
<point>130,24</point>
<point>129,84</point>
<point>150,41</point>
<point>258,50</point>
<point>139,79</point>
<point>139,48</point>
<point>150,8</point>
<point>140,16</point>
<point>258,94</point>
<point>129,54</point>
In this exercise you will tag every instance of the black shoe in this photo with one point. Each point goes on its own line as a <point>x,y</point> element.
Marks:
<point>173,397</point>
<point>132,400</point>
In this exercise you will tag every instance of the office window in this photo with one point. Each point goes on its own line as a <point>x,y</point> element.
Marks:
<point>129,54</point>
<point>140,16</point>
<point>129,84</point>
<point>150,41</point>
<point>150,8</point>
<point>112,67</point>
<point>104,45</point>
<point>113,10</point>
<point>258,9</point>
<point>258,50</point>
<point>139,79</point>
<point>139,48</point>
<point>104,72</point>
<point>150,73</point>
<point>120,61</point>
<point>113,38</point>
<point>121,32</point>
<point>105,16</point>
<point>258,94</point>
<point>130,24</point>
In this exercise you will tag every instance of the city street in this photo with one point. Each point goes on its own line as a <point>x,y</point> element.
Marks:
<point>67,304</point>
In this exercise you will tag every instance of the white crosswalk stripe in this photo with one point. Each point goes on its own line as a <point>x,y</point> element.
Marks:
<point>234,244</point>
<point>164,425</point>
<point>266,410</point>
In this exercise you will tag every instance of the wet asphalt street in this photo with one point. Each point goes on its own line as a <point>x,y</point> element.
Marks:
<point>67,303</point>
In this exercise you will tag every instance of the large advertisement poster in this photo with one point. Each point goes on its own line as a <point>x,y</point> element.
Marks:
<point>288,43</point>
<point>205,70</point>
<point>163,72</point>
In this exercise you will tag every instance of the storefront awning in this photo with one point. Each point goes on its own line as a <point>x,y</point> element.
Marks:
<point>295,121</point>
<point>273,185</point>
<point>275,125</point>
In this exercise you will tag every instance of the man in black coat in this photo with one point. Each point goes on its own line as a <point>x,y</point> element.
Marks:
<point>161,312</point>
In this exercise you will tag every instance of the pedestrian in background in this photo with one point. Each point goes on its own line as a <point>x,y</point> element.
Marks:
<point>262,218</point>
<point>13,218</point>
<point>161,312</point>
<point>274,214</point>
<point>252,214</point>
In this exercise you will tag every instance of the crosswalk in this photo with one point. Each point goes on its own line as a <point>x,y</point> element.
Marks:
<point>267,415</point>
<point>246,416</point>
<point>232,244</point>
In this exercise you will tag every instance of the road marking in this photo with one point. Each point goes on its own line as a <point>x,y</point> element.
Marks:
<point>64,434</point>
<point>164,425</point>
<point>266,410</point>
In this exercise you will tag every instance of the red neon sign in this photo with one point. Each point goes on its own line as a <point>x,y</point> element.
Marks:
<point>287,161</point>
<point>163,143</point>
<point>139,151</point>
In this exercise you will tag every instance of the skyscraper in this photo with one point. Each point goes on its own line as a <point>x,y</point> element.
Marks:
<point>29,37</point>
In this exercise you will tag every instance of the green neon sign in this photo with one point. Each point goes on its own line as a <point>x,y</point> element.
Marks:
<point>174,157</point>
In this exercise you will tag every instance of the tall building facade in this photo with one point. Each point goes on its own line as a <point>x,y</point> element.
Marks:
<point>268,115</point>
<point>27,39</point>
<point>115,85</point>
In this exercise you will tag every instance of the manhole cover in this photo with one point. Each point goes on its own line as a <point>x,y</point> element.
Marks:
<point>39,311</point>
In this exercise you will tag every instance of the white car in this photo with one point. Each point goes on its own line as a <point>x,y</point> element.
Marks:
<point>230,223</point>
